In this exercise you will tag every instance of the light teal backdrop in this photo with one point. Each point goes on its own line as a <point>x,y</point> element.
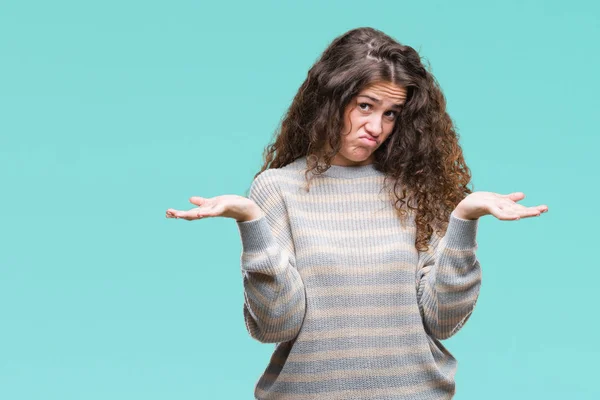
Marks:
<point>113,111</point>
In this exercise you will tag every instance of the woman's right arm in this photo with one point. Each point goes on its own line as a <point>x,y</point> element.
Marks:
<point>274,294</point>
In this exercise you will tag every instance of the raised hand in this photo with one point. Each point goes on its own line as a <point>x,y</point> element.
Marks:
<point>501,206</point>
<point>229,205</point>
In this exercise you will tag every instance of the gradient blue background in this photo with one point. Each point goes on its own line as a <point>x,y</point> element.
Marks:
<point>114,111</point>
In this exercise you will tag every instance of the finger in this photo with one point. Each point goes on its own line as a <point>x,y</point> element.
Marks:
<point>534,211</point>
<point>211,211</point>
<point>187,215</point>
<point>531,212</point>
<point>515,196</point>
<point>197,200</point>
<point>525,212</point>
<point>194,213</point>
<point>171,213</point>
<point>539,210</point>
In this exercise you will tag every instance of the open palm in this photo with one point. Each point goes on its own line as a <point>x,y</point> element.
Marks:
<point>502,206</point>
<point>227,205</point>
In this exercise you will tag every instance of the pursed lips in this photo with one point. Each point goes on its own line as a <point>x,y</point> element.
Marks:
<point>370,138</point>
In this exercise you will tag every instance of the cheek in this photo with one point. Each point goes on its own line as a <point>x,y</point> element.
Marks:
<point>388,131</point>
<point>354,120</point>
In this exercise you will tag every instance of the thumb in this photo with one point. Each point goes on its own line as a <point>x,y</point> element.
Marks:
<point>197,200</point>
<point>515,196</point>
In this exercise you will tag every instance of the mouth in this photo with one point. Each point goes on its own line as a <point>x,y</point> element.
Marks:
<point>369,139</point>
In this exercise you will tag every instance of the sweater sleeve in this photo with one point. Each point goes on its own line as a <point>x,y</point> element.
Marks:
<point>449,278</point>
<point>274,294</point>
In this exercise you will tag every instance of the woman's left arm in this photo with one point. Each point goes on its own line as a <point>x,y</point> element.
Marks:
<point>449,274</point>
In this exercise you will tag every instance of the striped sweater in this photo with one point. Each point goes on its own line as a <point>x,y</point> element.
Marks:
<point>332,276</point>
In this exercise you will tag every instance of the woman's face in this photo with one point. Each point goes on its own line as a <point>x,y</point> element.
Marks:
<point>368,121</point>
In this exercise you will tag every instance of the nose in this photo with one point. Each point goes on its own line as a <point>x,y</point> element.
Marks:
<point>374,125</point>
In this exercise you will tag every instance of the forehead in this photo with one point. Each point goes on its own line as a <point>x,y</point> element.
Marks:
<point>386,90</point>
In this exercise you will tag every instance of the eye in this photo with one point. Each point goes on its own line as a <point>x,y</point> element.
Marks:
<point>394,114</point>
<point>364,107</point>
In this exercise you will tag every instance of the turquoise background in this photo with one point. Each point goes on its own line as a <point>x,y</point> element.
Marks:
<point>114,111</point>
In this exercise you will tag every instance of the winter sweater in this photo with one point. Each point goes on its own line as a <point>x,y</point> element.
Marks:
<point>332,276</point>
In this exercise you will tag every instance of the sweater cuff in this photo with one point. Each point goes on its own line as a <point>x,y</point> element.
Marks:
<point>461,233</point>
<point>256,235</point>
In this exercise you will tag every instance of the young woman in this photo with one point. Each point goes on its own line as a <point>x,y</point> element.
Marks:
<point>359,233</point>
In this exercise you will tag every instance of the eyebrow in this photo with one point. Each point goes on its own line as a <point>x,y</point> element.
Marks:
<point>376,100</point>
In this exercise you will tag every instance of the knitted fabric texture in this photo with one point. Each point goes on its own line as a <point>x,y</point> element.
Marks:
<point>333,278</point>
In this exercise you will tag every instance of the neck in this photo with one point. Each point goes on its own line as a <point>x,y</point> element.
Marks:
<point>349,171</point>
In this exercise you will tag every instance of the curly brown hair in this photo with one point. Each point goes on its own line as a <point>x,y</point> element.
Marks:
<point>422,155</point>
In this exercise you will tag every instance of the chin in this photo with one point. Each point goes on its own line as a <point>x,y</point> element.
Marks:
<point>356,159</point>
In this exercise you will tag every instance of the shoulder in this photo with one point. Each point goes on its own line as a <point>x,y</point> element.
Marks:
<point>274,179</point>
<point>271,190</point>
<point>267,180</point>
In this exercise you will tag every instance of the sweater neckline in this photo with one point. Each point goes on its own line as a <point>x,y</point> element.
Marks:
<point>348,172</point>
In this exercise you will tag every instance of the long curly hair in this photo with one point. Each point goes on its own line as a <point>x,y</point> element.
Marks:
<point>421,157</point>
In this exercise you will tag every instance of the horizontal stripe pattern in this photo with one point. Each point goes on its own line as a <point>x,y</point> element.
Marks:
<point>332,276</point>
